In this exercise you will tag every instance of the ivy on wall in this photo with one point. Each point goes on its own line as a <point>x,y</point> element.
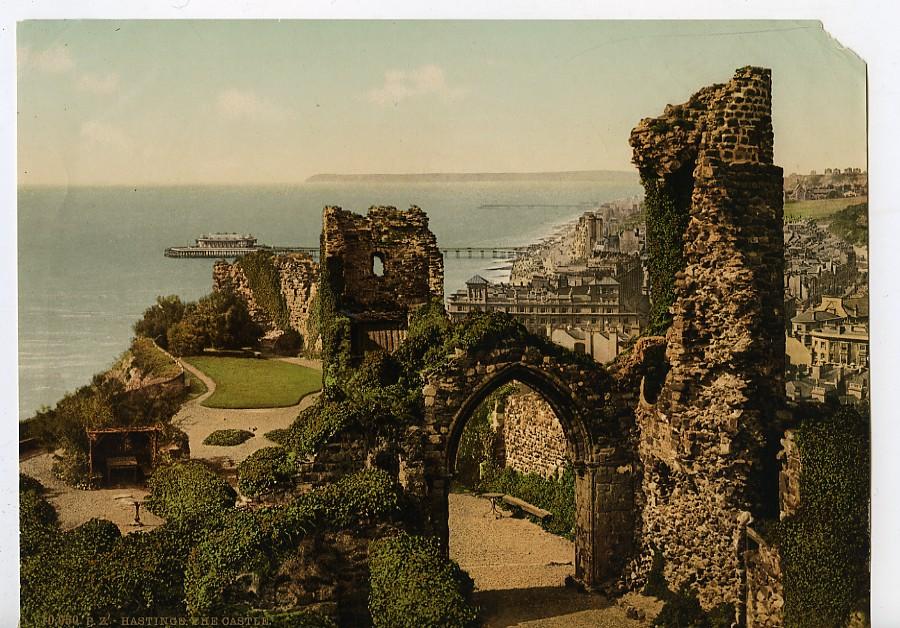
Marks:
<point>825,545</point>
<point>265,282</point>
<point>667,203</point>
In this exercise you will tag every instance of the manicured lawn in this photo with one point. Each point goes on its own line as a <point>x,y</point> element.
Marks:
<point>253,383</point>
<point>821,208</point>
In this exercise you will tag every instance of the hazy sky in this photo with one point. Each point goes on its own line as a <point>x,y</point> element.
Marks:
<point>141,102</point>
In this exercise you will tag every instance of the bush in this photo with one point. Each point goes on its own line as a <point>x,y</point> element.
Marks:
<point>313,427</point>
<point>682,610</point>
<point>91,571</point>
<point>555,495</point>
<point>413,586</point>
<point>38,522</point>
<point>219,320</point>
<point>228,438</point>
<point>151,361</point>
<point>354,499</point>
<point>28,483</point>
<point>159,318</point>
<point>267,470</point>
<point>189,492</point>
<point>238,547</point>
<point>289,343</point>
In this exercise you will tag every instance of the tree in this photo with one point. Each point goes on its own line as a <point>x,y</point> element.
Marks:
<point>159,318</point>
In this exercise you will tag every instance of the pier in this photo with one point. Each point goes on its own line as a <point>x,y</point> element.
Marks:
<point>222,252</point>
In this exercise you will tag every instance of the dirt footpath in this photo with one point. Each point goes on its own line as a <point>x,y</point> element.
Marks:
<point>519,572</point>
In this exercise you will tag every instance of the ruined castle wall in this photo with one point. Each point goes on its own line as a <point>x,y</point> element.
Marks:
<point>298,275</point>
<point>413,267</point>
<point>702,437</point>
<point>533,438</point>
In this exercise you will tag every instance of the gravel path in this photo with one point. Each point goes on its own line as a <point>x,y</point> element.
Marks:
<point>519,571</point>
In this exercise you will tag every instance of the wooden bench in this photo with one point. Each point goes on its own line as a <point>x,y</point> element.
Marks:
<point>522,505</point>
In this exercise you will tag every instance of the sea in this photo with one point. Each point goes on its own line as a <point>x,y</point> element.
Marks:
<point>90,259</point>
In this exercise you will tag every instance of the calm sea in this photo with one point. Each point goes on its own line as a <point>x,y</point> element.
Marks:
<point>91,259</point>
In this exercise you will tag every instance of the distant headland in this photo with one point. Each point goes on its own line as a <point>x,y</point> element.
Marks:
<point>468,177</point>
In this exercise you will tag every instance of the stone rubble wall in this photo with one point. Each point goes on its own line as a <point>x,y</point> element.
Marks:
<point>789,477</point>
<point>533,438</point>
<point>765,591</point>
<point>298,275</point>
<point>413,266</point>
<point>702,436</point>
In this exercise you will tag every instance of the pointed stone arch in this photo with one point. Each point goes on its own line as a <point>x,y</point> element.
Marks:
<point>600,445</point>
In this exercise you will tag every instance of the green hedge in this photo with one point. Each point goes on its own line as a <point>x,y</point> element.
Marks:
<point>188,491</point>
<point>555,495</point>
<point>267,470</point>
<point>414,586</point>
<point>228,438</point>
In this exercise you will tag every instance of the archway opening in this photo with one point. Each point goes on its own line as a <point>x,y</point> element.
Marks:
<point>512,453</point>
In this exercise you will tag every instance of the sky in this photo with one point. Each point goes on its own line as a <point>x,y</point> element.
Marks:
<point>263,102</point>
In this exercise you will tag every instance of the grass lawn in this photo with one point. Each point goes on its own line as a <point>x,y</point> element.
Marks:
<point>821,208</point>
<point>253,383</point>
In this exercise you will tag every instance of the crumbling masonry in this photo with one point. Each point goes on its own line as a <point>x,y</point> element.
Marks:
<point>703,435</point>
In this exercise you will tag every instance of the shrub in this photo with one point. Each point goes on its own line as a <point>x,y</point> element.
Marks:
<point>355,498</point>
<point>313,427</point>
<point>555,495</point>
<point>228,438</point>
<point>289,343</point>
<point>38,522</point>
<point>188,491</point>
<point>238,547</point>
<point>28,483</point>
<point>267,470</point>
<point>92,571</point>
<point>682,610</point>
<point>158,318</point>
<point>413,586</point>
<point>150,360</point>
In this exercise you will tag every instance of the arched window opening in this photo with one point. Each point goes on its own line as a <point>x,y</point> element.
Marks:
<point>378,264</point>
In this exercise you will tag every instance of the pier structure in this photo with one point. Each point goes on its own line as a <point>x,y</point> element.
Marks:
<point>223,252</point>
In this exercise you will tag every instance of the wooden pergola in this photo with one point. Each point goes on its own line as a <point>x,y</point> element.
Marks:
<point>114,449</point>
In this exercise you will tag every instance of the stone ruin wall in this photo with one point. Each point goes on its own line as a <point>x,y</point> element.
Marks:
<point>413,266</point>
<point>532,438</point>
<point>298,275</point>
<point>702,436</point>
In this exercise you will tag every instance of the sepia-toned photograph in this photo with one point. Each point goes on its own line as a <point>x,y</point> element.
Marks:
<point>442,324</point>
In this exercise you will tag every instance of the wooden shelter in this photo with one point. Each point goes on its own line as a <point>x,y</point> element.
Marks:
<point>118,450</point>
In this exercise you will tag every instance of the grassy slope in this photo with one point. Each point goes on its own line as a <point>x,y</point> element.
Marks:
<point>250,383</point>
<point>820,209</point>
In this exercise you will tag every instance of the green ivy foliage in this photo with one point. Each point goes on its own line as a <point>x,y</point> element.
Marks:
<point>554,495</point>
<point>414,586</point>
<point>228,438</point>
<point>478,442</point>
<point>28,483</point>
<point>38,521</point>
<point>267,470</point>
<point>667,214</point>
<point>250,543</point>
<point>825,545</point>
<point>683,610</point>
<point>188,491</point>
<point>93,571</point>
<point>238,547</point>
<point>265,282</point>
